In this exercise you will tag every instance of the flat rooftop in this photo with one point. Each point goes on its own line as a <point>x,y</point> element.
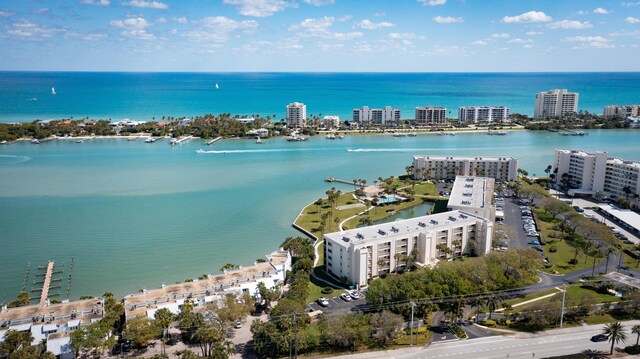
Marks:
<point>411,225</point>
<point>578,152</point>
<point>476,192</point>
<point>465,158</point>
<point>84,310</point>
<point>629,217</point>
<point>620,161</point>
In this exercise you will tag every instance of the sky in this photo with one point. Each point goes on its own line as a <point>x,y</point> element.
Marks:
<point>320,35</point>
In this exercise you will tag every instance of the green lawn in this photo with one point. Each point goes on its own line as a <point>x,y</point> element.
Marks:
<point>382,212</point>
<point>310,218</point>
<point>315,287</point>
<point>426,189</point>
<point>576,292</point>
<point>530,297</point>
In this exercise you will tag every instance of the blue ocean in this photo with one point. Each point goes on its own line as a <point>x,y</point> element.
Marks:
<point>26,96</point>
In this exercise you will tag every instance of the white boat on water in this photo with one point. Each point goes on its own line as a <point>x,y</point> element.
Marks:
<point>341,137</point>
<point>79,141</point>
<point>217,86</point>
<point>296,138</point>
<point>150,140</point>
<point>499,133</point>
<point>330,136</point>
<point>35,141</point>
<point>53,91</point>
<point>259,141</point>
<point>413,134</point>
<point>399,135</point>
<point>174,141</point>
<point>200,151</point>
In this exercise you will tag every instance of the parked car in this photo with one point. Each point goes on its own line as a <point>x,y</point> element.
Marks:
<point>346,297</point>
<point>238,324</point>
<point>535,243</point>
<point>323,302</point>
<point>354,295</point>
<point>599,338</point>
<point>538,248</point>
<point>578,209</point>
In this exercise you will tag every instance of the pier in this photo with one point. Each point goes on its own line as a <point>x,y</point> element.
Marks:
<point>211,142</point>
<point>353,183</point>
<point>177,141</point>
<point>47,282</point>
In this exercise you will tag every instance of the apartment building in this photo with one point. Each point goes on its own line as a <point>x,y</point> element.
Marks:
<point>362,254</point>
<point>448,167</point>
<point>622,112</point>
<point>296,114</point>
<point>431,116</point>
<point>473,195</point>
<point>483,114</point>
<point>590,173</point>
<point>331,122</point>
<point>555,103</point>
<point>376,116</point>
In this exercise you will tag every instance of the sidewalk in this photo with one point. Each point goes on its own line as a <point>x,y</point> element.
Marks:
<point>584,328</point>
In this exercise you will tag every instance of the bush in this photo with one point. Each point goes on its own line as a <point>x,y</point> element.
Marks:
<point>573,261</point>
<point>327,290</point>
<point>632,349</point>
<point>553,249</point>
<point>455,329</point>
<point>489,323</point>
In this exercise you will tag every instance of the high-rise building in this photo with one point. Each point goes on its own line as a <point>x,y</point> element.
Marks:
<point>622,112</point>
<point>331,121</point>
<point>473,195</point>
<point>376,116</point>
<point>555,103</point>
<point>431,116</point>
<point>448,167</point>
<point>488,114</point>
<point>296,114</point>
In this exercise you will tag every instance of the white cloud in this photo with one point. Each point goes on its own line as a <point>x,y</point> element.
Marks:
<point>405,35</point>
<point>369,25</point>
<point>6,13</point>
<point>259,8</point>
<point>181,20</point>
<point>330,47</point>
<point>320,28</point>
<point>97,2</point>
<point>134,27</point>
<point>520,41</point>
<point>362,47</point>
<point>433,2</point>
<point>218,29</point>
<point>631,3</point>
<point>527,46</point>
<point>320,2</point>
<point>448,51</point>
<point>447,19</point>
<point>147,4</point>
<point>632,20</point>
<point>597,42</point>
<point>31,31</point>
<point>570,24</point>
<point>600,11</point>
<point>531,16</point>
<point>503,35</point>
<point>534,33</point>
<point>92,36</point>
<point>635,33</point>
<point>480,43</point>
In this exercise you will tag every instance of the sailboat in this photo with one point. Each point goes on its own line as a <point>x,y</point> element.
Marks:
<point>217,86</point>
<point>53,91</point>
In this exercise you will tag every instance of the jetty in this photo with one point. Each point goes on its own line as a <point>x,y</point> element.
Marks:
<point>353,183</point>
<point>211,142</point>
<point>177,141</point>
<point>47,283</point>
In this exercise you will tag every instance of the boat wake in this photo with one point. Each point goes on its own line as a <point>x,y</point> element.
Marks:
<point>13,159</point>
<point>218,152</point>
<point>397,149</point>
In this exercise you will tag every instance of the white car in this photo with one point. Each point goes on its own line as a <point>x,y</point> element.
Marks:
<point>238,324</point>
<point>324,302</point>
<point>354,295</point>
<point>346,297</point>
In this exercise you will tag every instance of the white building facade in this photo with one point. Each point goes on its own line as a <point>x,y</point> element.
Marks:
<point>555,103</point>
<point>296,115</point>
<point>473,195</point>
<point>376,116</point>
<point>622,112</point>
<point>590,173</point>
<point>362,254</point>
<point>483,114</point>
<point>448,167</point>
<point>331,122</point>
<point>431,116</point>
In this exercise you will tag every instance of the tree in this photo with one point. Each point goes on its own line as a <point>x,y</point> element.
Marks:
<point>384,326</point>
<point>189,321</point>
<point>228,266</point>
<point>548,170</point>
<point>140,330</point>
<point>615,333</point>
<point>229,311</point>
<point>93,337</point>
<point>23,299</point>
<point>16,344</point>
<point>163,319</point>
<point>636,330</point>
<point>492,302</point>
<point>212,342</point>
<point>268,295</point>
<point>186,354</point>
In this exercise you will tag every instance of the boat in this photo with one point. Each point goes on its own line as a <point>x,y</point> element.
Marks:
<point>217,86</point>
<point>296,138</point>
<point>34,99</point>
<point>571,133</point>
<point>79,141</point>
<point>399,135</point>
<point>174,141</point>
<point>150,140</point>
<point>494,132</point>
<point>201,151</point>
<point>330,136</point>
<point>3,142</point>
<point>35,141</point>
<point>412,134</point>
<point>341,137</point>
<point>53,91</point>
<point>259,141</point>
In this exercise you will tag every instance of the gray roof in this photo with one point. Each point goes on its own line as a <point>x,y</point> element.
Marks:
<point>470,191</point>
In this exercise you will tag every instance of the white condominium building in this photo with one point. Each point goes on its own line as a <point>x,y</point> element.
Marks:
<point>448,167</point>
<point>622,111</point>
<point>555,103</point>
<point>431,116</point>
<point>591,173</point>
<point>365,253</point>
<point>489,114</point>
<point>473,195</point>
<point>296,114</point>
<point>376,116</point>
<point>331,121</point>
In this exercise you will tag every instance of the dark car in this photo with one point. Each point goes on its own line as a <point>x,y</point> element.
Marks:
<point>599,338</point>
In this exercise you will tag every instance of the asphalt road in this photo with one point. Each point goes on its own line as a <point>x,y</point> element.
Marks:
<point>336,304</point>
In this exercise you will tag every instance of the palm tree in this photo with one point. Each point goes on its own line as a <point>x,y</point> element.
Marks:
<point>636,330</point>
<point>163,319</point>
<point>608,252</point>
<point>615,333</point>
<point>492,302</point>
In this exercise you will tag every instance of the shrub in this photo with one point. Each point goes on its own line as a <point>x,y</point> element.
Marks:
<point>553,249</point>
<point>455,329</point>
<point>632,349</point>
<point>489,323</point>
<point>327,290</point>
<point>573,261</point>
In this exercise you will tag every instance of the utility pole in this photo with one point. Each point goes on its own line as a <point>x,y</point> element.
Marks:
<point>411,327</point>
<point>295,335</point>
<point>564,294</point>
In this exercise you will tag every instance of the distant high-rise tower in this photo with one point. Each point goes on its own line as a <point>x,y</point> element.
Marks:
<point>296,114</point>
<point>555,103</point>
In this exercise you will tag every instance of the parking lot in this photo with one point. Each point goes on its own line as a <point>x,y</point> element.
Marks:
<point>336,304</point>
<point>514,219</point>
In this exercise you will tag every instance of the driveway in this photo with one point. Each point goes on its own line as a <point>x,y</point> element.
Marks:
<point>336,304</point>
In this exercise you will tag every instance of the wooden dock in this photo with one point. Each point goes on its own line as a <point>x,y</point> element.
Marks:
<point>357,183</point>
<point>211,142</point>
<point>47,283</point>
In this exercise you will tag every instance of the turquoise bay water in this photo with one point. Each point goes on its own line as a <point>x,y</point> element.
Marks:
<point>136,215</point>
<point>143,96</point>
